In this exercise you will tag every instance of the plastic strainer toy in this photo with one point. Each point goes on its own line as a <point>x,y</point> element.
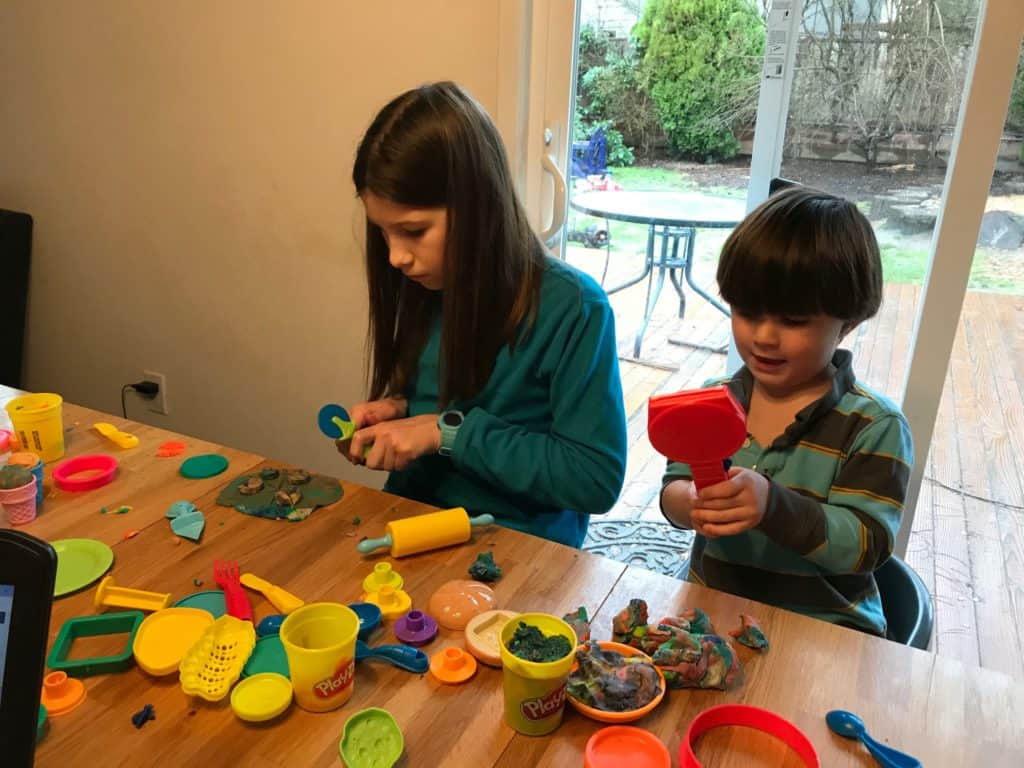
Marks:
<point>215,662</point>
<point>371,739</point>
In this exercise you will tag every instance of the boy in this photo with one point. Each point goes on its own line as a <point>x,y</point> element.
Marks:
<point>815,495</point>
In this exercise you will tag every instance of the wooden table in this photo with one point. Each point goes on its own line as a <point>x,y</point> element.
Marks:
<point>941,711</point>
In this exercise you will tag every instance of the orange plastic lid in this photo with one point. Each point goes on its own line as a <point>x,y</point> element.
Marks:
<point>25,459</point>
<point>61,693</point>
<point>620,745</point>
<point>452,665</point>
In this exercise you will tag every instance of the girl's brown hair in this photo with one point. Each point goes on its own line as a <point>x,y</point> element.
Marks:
<point>435,147</point>
<point>803,252</point>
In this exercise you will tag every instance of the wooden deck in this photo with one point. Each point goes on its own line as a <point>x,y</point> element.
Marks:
<point>968,536</point>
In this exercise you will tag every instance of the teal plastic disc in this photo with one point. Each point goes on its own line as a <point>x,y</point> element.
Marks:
<point>206,465</point>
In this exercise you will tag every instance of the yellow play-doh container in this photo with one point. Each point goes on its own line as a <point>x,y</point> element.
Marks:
<point>38,424</point>
<point>535,691</point>
<point>320,642</point>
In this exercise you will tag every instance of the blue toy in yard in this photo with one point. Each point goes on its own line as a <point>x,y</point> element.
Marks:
<point>589,158</point>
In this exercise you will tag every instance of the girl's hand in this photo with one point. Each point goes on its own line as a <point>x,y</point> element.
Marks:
<point>368,414</point>
<point>395,444</point>
<point>376,411</point>
<point>733,506</point>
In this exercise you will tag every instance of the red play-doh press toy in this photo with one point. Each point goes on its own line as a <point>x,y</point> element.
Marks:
<point>699,427</point>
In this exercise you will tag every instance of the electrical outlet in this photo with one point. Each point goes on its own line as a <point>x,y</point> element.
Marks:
<point>159,403</point>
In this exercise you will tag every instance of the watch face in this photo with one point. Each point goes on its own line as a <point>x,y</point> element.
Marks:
<point>452,419</point>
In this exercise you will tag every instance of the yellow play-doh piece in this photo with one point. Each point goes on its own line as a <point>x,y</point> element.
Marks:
<point>261,697</point>
<point>164,637</point>
<point>116,436</point>
<point>392,602</point>
<point>215,662</point>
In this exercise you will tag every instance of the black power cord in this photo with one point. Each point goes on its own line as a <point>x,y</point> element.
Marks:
<point>148,389</point>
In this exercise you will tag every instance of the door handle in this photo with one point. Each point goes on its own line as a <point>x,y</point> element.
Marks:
<point>558,194</point>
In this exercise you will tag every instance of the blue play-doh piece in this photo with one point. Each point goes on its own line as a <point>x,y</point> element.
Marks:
<point>270,625</point>
<point>179,508</point>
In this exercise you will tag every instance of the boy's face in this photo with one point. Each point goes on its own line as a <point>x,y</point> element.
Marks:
<point>415,237</point>
<point>786,354</point>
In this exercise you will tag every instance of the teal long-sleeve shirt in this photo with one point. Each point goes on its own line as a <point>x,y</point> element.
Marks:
<point>543,445</point>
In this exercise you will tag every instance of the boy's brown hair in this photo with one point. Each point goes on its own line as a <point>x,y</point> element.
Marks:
<point>803,252</point>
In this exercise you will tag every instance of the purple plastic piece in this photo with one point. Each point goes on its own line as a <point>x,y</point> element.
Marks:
<point>415,628</point>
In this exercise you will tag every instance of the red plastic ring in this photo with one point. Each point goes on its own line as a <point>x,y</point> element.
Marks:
<point>748,717</point>
<point>104,466</point>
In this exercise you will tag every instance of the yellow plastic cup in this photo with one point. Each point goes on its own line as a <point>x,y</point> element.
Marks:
<point>535,691</point>
<point>320,642</point>
<point>38,423</point>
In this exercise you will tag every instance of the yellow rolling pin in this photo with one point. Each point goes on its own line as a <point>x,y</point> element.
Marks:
<point>412,535</point>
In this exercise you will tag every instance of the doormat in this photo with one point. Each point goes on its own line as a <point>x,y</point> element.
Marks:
<point>657,547</point>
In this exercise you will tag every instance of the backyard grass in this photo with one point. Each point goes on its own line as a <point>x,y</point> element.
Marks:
<point>903,265</point>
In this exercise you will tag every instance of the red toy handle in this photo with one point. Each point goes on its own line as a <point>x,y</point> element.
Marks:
<point>706,474</point>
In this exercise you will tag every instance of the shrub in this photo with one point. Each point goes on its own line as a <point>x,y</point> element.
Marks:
<point>609,94</point>
<point>1015,114</point>
<point>701,61</point>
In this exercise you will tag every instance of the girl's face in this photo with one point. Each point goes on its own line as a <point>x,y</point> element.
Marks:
<point>415,237</point>
<point>786,354</point>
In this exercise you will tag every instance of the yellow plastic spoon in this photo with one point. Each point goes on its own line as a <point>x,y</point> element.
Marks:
<point>284,601</point>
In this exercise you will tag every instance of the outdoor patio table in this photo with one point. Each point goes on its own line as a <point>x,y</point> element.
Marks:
<point>671,217</point>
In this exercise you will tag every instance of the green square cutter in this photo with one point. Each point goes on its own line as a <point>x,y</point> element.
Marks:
<point>94,626</point>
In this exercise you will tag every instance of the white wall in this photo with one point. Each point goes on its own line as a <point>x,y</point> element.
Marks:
<point>187,165</point>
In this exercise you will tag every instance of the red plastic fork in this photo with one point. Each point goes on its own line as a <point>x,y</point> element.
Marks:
<point>225,573</point>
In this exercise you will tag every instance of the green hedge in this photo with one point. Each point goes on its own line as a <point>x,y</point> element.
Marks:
<point>701,61</point>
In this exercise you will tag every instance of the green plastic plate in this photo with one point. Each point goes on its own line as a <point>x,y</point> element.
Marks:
<point>80,562</point>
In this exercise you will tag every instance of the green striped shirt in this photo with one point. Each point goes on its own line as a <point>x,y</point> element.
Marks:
<point>838,477</point>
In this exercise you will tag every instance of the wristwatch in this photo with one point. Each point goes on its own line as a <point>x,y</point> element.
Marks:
<point>449,423</point>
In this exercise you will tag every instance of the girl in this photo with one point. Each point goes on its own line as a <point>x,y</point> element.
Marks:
<point>494,379</point>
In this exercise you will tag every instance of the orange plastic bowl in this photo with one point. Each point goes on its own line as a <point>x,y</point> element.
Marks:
<point>630,714</point>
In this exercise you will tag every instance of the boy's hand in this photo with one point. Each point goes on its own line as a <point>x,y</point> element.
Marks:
<point>732,506</point>
<point>678,499</point>
<point>396,443</point>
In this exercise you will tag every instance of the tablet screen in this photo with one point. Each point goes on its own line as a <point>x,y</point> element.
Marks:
<point>6,600</point>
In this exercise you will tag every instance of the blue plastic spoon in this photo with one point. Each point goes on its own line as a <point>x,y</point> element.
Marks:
<point>402,656</point>
<point>852,727</point>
